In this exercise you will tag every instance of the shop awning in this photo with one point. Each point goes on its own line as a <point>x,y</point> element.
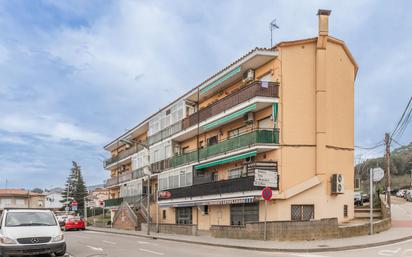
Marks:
<point>208,202</point>
<point>226,160</point>
<point>230,117</point>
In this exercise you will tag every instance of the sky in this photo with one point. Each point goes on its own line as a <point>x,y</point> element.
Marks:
<point>76,74</point>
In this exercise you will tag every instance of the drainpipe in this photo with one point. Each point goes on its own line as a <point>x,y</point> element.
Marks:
<point>321,92</point>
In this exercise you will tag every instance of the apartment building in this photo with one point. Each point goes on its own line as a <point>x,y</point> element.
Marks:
<point>288,110</point>
<point>20,198</point>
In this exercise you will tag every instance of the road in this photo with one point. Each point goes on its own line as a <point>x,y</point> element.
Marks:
<point>90,244</point>
<point>95,244</point>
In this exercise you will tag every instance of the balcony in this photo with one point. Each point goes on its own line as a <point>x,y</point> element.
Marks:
<point>235,143</point>
<point>123,154</point>
<point>161,165</point>
<point>255,89</point>
<point>116,180</point>
<point>215,188</point>
<point>113,202</point>
<point>165,133</point>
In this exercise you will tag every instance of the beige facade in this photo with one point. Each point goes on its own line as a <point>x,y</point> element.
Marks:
<point>19,198</point>
<point>294,117</point>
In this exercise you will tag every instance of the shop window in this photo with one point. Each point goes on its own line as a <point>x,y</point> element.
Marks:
<point>302,212</point>
<point>184,215</point>
<point>243,213</point>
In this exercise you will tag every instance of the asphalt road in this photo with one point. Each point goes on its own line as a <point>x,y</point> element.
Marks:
<point>95,244</point>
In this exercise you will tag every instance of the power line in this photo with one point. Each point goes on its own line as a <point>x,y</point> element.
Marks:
<point>403,121</point>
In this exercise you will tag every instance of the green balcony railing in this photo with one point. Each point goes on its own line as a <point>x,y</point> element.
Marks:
<point>113,202</point>
<point>234,143</point>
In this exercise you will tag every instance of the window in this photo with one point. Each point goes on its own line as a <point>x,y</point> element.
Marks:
<point>185,149</point>
<point>265,123</point>
<point>302,212</point>
<point>212,140</point>
<point>164,214</point>
<point>357,183</point>
<point>345,210</point>
<point>184,215</point>
<point>243,213</point>
<point>175,178</point>
<point>206,209</point>
<point>237,132</point>
<point>235,173</point>
<point>215,177</point>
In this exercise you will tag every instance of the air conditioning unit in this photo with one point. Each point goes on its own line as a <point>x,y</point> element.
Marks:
<point>249,117</point>
<point>248,76</point>
<point>248,160</point>
<point>337,184</point>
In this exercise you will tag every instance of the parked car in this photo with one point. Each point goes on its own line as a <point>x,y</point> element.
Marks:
<point>365,198</point>
<point>401,193</point>
<point>30,232</point>
<point>357,196</point>
<point>74,223</point>
<point>408,195</point>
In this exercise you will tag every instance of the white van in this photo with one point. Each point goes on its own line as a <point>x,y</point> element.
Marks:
<point>30,232</point>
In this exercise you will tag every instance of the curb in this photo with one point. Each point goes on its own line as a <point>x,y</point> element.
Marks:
<point>265,249</point>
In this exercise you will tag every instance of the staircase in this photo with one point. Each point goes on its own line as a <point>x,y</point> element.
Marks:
<point>363,213</point>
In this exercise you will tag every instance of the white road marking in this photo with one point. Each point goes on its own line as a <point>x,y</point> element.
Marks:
<point>95,248</point>
<point>148,251</point>
<point>86,237</point>
<point>145,243</point>
<point>108,242</point>
<point>308,255</point>
<point>389,252</point>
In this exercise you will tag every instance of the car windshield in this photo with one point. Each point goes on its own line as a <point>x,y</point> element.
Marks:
<point>21,219</point>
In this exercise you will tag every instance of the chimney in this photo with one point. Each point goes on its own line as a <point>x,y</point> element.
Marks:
<point>323,22</point>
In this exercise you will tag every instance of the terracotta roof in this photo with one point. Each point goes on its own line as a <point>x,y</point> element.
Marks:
<point>17,192</point>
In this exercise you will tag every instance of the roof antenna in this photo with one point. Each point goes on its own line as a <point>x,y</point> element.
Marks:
<point>272,26</point>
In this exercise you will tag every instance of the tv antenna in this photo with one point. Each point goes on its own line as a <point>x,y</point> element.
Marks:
<point>272,26</point>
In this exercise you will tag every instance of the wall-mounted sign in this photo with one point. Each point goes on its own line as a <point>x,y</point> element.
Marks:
<point>165,195</point>
<point>266,178</point>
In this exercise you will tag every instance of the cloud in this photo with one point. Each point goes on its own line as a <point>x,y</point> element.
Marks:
<point>48,126</point>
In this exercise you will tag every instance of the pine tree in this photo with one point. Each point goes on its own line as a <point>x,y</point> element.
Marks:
<point>75,188</point>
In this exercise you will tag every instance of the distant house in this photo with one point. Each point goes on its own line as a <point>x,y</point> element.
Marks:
<point>20,198</point>
<point>97,197</point>
<point>53,200</point>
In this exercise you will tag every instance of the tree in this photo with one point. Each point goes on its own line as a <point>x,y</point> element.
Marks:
<point>75,188</point>
<point>37,190</point>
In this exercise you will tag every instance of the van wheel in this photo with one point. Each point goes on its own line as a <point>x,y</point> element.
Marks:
<point>62,253</point>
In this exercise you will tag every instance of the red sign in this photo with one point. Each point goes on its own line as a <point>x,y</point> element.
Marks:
<point>267,193</point>
<point>165,195</point>
<point>74,203</point>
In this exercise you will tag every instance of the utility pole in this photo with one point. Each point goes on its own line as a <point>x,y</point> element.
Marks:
<point>388,168</point>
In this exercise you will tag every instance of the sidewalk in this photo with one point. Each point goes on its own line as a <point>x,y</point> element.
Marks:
<point>388,237</point>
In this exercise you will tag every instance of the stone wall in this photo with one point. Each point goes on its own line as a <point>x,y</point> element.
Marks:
<point>297,230</point>
<point>385,210</point>
<point>281,230</point>
<point>180,229</point>
<point>363,229</point>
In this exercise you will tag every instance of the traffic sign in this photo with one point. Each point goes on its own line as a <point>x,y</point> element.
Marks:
<point>74,203</point>
<point>74,208</point>
<point>267,193</point>
<point>377,174</point>
<point>266,178</point>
